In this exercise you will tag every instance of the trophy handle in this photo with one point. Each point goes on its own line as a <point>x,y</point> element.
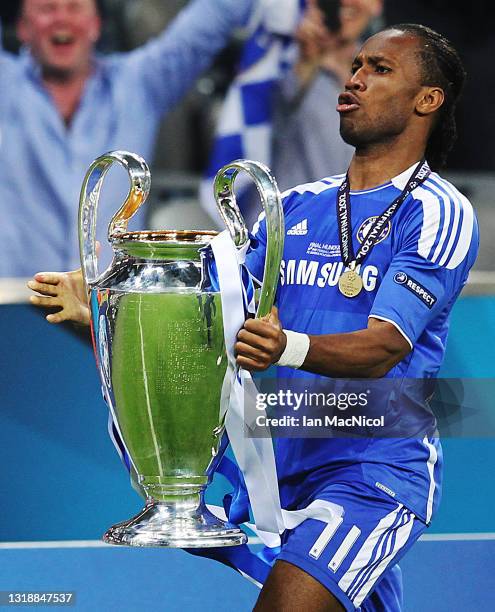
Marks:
<point>272,205</point>
<point>140,181</point>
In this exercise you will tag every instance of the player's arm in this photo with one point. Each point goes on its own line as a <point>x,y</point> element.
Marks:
<point>424,278</point>
<point>367,353</point>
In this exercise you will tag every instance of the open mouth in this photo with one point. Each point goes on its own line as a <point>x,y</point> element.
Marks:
<point>347,103</point>
<point>62,40</point>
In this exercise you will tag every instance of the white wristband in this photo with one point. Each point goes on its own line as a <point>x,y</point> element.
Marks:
<point>295,351</point>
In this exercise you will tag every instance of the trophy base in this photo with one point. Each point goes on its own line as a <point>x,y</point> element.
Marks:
<point>168,525</point>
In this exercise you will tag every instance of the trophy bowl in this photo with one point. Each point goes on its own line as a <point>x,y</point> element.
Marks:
<point>158,334</point>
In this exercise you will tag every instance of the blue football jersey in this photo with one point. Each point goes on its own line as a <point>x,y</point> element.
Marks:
<point>411,279</point>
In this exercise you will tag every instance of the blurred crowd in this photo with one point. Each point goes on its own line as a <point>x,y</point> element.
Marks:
<point>80,77</point>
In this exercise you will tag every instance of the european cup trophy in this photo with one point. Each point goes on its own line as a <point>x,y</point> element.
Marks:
<point>158,333</point>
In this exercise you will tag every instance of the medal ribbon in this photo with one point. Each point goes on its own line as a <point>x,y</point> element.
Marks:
<point>419,175</point>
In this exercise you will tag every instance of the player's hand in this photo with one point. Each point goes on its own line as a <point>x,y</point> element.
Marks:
<point>64,290</point>
<point>260,343</point>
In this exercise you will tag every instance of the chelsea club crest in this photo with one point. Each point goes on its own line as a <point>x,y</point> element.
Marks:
<point>366,226</point>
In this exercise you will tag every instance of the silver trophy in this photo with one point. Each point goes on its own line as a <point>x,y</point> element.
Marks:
<point>157,326</point>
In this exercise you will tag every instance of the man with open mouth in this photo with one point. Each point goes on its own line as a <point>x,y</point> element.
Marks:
<point>62,105</point>
<point>379,309</point>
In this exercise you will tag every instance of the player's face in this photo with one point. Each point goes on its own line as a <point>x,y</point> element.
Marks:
<point>60,33</point>
<point>381,95</point>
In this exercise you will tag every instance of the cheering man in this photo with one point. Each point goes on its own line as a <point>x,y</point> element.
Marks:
<point>373,263</point>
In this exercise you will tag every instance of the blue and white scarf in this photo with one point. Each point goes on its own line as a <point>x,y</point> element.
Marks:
<point>244,130</point>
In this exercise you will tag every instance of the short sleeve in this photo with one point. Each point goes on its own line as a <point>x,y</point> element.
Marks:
<point>255,257</point>
<point>438,246</point>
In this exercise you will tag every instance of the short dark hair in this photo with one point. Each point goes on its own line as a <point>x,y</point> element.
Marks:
<point>100,7</point>
<point>440,66</point>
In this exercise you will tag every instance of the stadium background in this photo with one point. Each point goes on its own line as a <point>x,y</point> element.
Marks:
<point>62,483</point>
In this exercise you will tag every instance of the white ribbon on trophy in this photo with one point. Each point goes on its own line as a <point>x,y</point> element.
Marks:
<point>255,456</point>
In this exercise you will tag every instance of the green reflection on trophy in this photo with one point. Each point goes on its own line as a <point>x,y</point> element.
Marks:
<point>157,326</point>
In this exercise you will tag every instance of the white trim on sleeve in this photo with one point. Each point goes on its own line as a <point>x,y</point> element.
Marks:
<point>396,325</point>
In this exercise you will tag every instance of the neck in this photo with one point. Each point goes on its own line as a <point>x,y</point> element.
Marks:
<point>66,91</point>
<point>61,77</point>
<point>376,164</point>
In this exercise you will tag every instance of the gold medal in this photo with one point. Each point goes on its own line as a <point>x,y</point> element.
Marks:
<point>350,284</point>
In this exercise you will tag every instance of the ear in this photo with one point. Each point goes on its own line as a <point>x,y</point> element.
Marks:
<point>21,30</point>
<point>96,28</point>
<point>429,100</point>
<point>377,9</point>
